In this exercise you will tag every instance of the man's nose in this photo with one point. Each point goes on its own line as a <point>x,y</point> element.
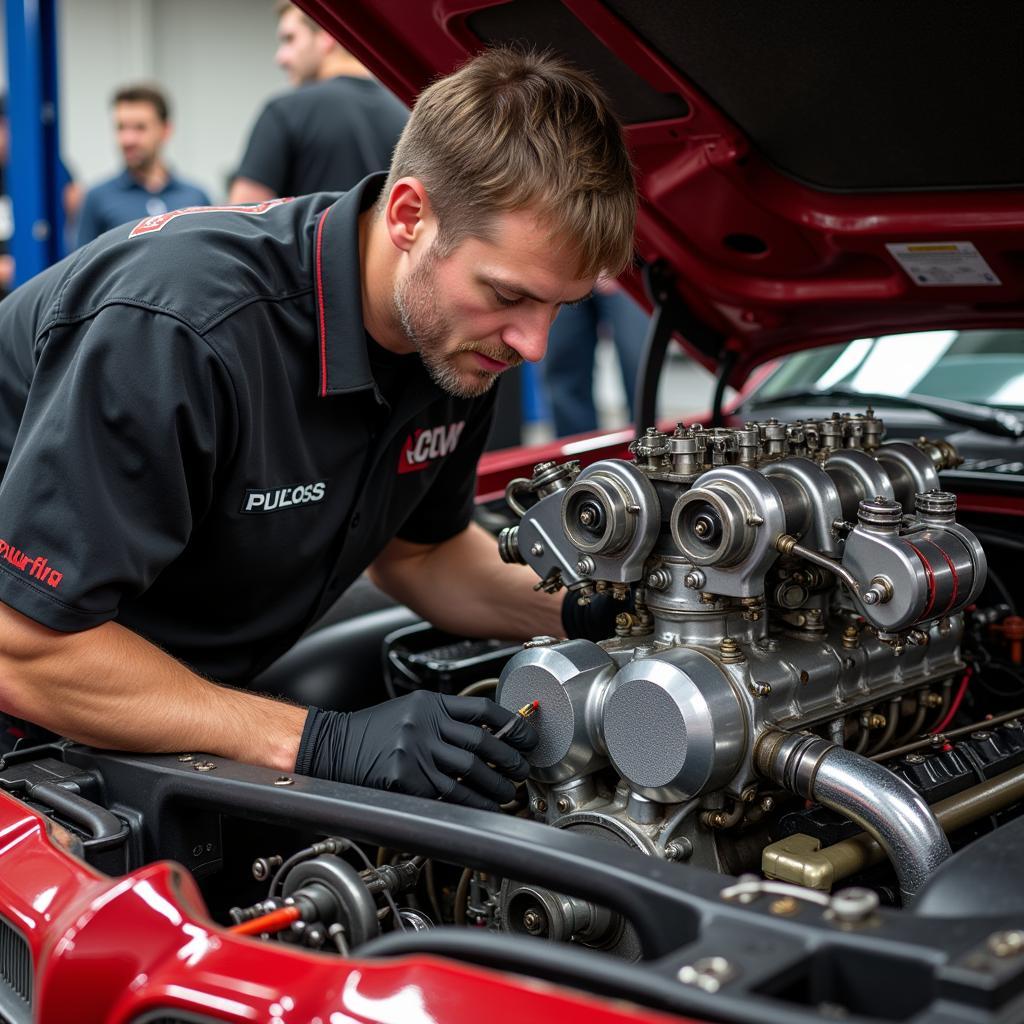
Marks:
<point>528,335</point>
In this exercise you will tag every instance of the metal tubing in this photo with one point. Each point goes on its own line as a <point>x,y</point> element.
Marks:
<point>882,804</point>
<point>939,739</point>
<point>823,868</point>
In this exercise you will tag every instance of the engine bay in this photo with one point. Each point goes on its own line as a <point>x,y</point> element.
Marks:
<point>807,713</point>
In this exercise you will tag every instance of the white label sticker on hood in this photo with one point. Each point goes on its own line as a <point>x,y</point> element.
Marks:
<point>943,264</point>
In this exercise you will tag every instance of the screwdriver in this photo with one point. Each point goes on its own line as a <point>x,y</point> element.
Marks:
<point>524,712</point>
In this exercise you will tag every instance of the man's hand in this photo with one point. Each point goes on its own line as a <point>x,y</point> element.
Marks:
<point>424,744</point>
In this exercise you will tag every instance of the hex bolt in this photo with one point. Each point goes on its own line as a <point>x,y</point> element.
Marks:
<point>585,566</point>
<point>537,550</point>
<point>185,757</point>
<point>262,866</point>
<point>541,806</point>
<point>694,580</point>
<point>586,517</point>
<point>708,974</point>
<point>1006,944</point>
<point>204,766</point>
<point>284,780</point>
<point>759,689</point>
<point>679,849</point>
<point>563,805</point>
<point>533,922</point>
<point>931,700</point>
<point>659,579</point>
<point>854,905</point>
<point>767,804</point>
<point>915,759</point>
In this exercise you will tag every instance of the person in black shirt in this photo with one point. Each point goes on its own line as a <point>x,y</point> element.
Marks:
<point>213,420</point>
<point>324,136</point>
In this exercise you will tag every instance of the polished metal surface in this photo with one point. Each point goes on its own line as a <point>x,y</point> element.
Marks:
<point>799,576</point>
<point>883,805</point>
<point>673,725</point>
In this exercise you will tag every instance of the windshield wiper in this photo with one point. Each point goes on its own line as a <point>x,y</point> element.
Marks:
<point>989,421</point>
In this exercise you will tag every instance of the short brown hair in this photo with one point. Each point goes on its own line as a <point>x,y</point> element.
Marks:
<point>282,7</point>
<point>144,93</point>
<point>511,130</point>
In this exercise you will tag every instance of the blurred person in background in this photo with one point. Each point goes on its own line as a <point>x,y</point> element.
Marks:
<point>146,187</point>
<point>337,126</point>
<point>568,367</point>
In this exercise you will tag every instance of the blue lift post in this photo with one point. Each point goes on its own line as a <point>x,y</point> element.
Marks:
<point>35,180</point>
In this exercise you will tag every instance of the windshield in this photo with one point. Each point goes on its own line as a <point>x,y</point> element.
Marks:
<point>984,367</point>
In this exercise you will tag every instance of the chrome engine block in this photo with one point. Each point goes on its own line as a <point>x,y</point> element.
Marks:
<point>776,579</point>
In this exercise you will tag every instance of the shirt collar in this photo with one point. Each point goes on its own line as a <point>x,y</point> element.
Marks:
<point>127,180</point>
<point>344,362</point>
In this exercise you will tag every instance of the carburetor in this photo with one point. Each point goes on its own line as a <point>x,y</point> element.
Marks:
<point>774,578</point>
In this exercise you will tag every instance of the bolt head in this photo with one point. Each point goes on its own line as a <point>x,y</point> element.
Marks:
<point>853,905</point>
<point>537,550</point>
<point>563,805</point>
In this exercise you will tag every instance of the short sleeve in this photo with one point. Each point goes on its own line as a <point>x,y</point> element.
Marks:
<point>447,507</point>
<point>267,155</point>
<point>127,418</point>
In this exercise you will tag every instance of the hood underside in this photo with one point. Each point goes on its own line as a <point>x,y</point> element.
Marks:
<point>809,172</point>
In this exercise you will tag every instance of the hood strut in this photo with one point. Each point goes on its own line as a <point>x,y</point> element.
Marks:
<point>671,315</point>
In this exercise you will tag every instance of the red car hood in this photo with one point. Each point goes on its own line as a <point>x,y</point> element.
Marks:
<point>809,172</point>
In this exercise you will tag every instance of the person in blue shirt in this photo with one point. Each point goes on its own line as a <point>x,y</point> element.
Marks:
<point>146,187</point>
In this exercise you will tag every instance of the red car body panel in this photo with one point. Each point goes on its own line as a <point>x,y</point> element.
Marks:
<point>825,273</point>
<point>107,950</point>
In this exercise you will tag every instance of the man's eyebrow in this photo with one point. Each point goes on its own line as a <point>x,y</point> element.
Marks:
<point>518,289</point>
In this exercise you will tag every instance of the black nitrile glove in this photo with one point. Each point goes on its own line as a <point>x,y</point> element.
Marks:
<point>594,621</point>
<point>424,744</point>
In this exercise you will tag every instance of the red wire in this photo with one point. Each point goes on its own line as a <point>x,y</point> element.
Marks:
<point>275,921</point>
<point>955,706</point>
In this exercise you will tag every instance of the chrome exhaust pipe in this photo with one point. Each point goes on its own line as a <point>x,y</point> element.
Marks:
<point>883,805</point>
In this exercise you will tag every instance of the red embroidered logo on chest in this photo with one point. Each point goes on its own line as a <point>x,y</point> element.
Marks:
<point>427,444</point>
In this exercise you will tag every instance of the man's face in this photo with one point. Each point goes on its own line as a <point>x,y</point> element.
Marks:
<point>140,134</point>
<point>298,48</point>
<point>488,305</point>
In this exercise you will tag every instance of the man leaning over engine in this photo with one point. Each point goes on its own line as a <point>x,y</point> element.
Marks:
<point>212,421</point>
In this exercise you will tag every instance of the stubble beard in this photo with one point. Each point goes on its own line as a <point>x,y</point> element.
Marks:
<point>429,331</point>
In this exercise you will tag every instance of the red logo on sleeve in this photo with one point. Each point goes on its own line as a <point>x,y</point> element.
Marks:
<point>38,567</point>
<point>427,444</point>
<point>161,220</point>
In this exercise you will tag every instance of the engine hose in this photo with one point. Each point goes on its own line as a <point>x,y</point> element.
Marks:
<point>885,806</point>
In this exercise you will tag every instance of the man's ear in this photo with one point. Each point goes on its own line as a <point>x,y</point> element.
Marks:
<point>408,214</point>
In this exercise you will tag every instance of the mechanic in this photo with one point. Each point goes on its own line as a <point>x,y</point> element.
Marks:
<point>338,126</point>
<point>213,420</point>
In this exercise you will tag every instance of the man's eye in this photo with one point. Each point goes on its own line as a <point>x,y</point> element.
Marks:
<point>504,300</point>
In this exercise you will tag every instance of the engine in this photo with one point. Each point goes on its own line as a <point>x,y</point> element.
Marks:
<point>792,602</point>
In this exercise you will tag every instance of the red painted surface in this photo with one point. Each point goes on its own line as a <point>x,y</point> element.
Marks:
<point>108,949</point>
<point>826,275</point>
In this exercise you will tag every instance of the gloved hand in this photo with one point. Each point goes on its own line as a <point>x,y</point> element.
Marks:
<point>424,744</point>
<point>594,621</point>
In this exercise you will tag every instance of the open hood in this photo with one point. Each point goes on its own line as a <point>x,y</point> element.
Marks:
<point>809,172</point>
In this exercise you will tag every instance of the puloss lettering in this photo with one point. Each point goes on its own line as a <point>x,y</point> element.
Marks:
<point>275,498</point>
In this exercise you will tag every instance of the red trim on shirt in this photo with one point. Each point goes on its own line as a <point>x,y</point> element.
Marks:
<point>320,300</point>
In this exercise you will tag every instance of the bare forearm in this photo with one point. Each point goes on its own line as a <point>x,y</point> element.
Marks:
<point>464,587</point>
<point>109,687</point>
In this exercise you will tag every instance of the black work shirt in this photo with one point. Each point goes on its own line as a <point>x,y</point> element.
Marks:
<point>323,136</point>
<point>192,439</point>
